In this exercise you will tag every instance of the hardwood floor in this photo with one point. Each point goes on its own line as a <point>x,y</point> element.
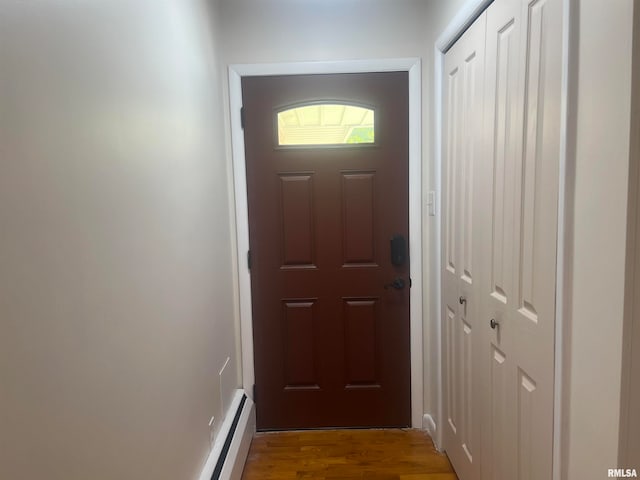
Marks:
<point>346,455</point>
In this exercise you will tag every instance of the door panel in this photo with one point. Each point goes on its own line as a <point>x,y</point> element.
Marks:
<point>362,353</point>
<point>464,73</point>
<point>523,86</point>
<point>358,212</point>
<point>502,128</point>
<point>301,368</point>
<point>296,203</point>
<point>331,342</point>
<point>501,151</point>
<point>536,234</point>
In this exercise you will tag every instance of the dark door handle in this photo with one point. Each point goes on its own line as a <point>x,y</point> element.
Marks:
<point>397,283</point>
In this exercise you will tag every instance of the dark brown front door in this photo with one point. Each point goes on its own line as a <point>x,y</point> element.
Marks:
<point>331,342</point>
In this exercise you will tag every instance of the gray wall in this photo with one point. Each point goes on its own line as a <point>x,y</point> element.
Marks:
<point>116,304</point>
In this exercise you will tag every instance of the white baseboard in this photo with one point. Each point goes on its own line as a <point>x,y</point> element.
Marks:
<point>241,442</point>
<point>237,451</point>
<point>429,425</point>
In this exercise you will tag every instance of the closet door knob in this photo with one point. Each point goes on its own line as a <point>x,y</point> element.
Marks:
<point>494,324</point>
<point>462,300</point>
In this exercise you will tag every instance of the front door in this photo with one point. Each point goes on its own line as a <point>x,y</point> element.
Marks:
<point>327,180</point>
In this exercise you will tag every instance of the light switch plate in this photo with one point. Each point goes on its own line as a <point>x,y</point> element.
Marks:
<point>431,203</point>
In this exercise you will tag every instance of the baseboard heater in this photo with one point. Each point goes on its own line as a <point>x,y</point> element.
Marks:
<point>230,450</point>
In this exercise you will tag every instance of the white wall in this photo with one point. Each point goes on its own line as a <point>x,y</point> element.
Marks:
<point>116,308</point>
<point>440,14</point>
<point>255,31</point>
<point>597,268</point>
<point>290,30</point>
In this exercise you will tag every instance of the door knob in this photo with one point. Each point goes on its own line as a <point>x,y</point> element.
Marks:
<point>397,283</point>
<point>494,323</point>
<point>462,300</point>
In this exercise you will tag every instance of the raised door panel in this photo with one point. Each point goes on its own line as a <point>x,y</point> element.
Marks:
<point>467,376</point>
<point>504,126</point>
<point>300,358</point>
<point>452,361</point>
<point>471,91</point>
<point>358,215</point>
<point>297,220</point>
<point>538,168</point>
<point>528,398</point>
<point>496,427</point>
<point>450,154</point>
<point>537,185</point>
<point>361,342</point>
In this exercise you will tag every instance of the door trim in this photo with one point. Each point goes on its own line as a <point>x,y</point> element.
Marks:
<point>413,67</point>
<point>465,16</point>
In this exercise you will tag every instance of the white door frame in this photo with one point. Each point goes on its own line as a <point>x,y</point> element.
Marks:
<point>411,65</point>
<point>467,14</point>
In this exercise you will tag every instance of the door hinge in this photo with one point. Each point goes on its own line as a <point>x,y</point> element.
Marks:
<point>255,395</point>
<point>242,117</point>
<point>249,259</point>
<point>410,283</point>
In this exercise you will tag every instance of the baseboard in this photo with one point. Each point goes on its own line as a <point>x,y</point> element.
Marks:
<point>226,460</point>
<point>429,425</point>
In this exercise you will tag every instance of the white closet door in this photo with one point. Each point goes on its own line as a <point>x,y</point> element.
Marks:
<point>462,120</point>
<point>523,87</point>
<point>502,128</point>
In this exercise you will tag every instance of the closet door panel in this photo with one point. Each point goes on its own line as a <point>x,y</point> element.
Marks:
<point>451,241</point>
<point>503,126</point>
<point>523,85</point>
<point>501,150</point>
<point>462,120</point>
<point>536,235</point>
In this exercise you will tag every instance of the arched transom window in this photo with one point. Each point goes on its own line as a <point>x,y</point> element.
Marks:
<point>326,124</point>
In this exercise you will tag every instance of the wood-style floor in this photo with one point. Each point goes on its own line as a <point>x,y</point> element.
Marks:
<point>346,455</point>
